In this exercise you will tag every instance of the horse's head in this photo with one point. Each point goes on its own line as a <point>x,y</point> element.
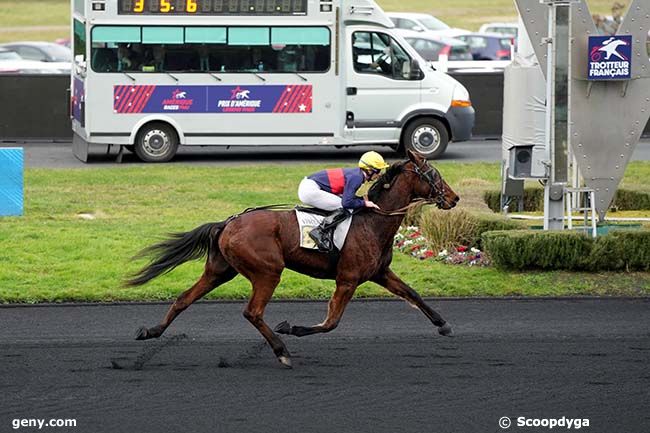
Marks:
<point>429,184</point>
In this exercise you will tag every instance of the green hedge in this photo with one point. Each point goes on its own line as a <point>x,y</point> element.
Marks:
<point>534,200</point>
<point>624,250</point>
<point>487,223</point>
<point>631,200</point>
<point>551,250</point>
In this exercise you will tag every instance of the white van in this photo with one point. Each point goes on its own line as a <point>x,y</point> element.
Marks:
<point>152,75</point>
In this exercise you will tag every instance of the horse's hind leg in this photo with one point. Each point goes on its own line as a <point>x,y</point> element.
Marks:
<point>263,287</point>
<point>217,271</point>
<point>396,286</point>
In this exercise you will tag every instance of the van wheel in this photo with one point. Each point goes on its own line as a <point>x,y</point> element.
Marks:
<point>426,136</point>
<point>156,142</point>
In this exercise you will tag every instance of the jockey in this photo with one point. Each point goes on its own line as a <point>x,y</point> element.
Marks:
<point>335,190</point>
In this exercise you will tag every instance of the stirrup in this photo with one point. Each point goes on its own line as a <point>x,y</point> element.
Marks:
<point>323,235</point>
<point>323,238</point>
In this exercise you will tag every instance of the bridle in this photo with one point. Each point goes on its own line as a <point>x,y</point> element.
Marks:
<point>433,178</point>
<point>436,196</point>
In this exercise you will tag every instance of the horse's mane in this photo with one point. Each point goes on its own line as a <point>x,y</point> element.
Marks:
<point>385,179</point>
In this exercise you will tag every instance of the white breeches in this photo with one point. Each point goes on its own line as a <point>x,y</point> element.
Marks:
<point>310,193</point>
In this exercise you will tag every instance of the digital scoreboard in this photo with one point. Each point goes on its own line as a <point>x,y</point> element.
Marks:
<point>212,7</point>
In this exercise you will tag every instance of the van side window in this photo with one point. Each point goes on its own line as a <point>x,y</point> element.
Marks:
<point>211,49</point>
<point>378,53</point>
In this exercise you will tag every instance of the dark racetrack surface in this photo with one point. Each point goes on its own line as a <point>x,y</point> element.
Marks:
<point>385,369</point>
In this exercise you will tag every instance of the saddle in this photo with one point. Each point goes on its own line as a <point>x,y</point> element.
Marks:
<point>329,235</point>
<point>313,210</point>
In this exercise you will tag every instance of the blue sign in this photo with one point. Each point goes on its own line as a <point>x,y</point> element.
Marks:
<point>260,99</point>
<point>285,98</point>
<point>11,181</point>
<point>175,99</point>
<point>610,58</point>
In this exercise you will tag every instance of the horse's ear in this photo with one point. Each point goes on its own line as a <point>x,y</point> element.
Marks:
<point>415,157</point>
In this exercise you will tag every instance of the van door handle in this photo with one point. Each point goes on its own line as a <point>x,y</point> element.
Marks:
<point>351,91</point>
<point>349,119</point>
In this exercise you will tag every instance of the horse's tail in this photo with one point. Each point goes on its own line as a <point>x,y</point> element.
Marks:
<point>178,249</point>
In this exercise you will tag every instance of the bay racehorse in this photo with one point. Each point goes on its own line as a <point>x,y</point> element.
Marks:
<point>260,243</point>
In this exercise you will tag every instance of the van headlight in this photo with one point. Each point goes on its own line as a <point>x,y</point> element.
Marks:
<point>460,97</point>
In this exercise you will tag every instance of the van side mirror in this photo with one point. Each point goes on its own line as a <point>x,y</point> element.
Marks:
<point>80,64</point>
<point>415,73</point>
<point>79,59</point>
<point>417,29</point>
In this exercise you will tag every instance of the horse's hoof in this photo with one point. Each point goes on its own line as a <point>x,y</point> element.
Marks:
<point>283,328</point>
<point>445,330</point>
<point>142,333</point>
<point>284,360</point>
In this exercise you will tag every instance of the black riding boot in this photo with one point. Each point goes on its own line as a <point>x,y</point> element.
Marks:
<point>323,235</point>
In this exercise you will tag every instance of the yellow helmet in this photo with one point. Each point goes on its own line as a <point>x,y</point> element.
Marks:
<point>372,161</point>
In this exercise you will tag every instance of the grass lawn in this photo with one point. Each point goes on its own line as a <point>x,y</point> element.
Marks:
<point>51,254</point>
<point>468,14</point>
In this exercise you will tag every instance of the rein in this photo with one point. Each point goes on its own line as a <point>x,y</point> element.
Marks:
<point>404,209</point>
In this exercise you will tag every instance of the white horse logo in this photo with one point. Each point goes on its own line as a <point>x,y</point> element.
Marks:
<point>242,94</point>
<point>609,48</point>
<point>180,95</point>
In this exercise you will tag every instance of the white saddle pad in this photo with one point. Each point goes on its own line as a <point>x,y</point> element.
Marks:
<point>309,221</point>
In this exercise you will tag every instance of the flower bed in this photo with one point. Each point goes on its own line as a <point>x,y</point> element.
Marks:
<point>409,240</point>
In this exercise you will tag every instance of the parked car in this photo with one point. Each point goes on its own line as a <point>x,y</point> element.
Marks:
<point>492,46</point>
<point>431,47</point>
<point>423,23</point>
<point>40,51</point>
<point>510,29</point>
<point>12,63</point>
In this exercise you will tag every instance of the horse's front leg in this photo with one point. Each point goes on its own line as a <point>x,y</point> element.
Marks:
<point>335,308</point>
<point>396,286</point>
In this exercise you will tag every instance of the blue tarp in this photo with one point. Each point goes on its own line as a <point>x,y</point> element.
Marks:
<point>11,181</point>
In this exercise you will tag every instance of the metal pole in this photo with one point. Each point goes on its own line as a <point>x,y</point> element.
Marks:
<point>557,112</point>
